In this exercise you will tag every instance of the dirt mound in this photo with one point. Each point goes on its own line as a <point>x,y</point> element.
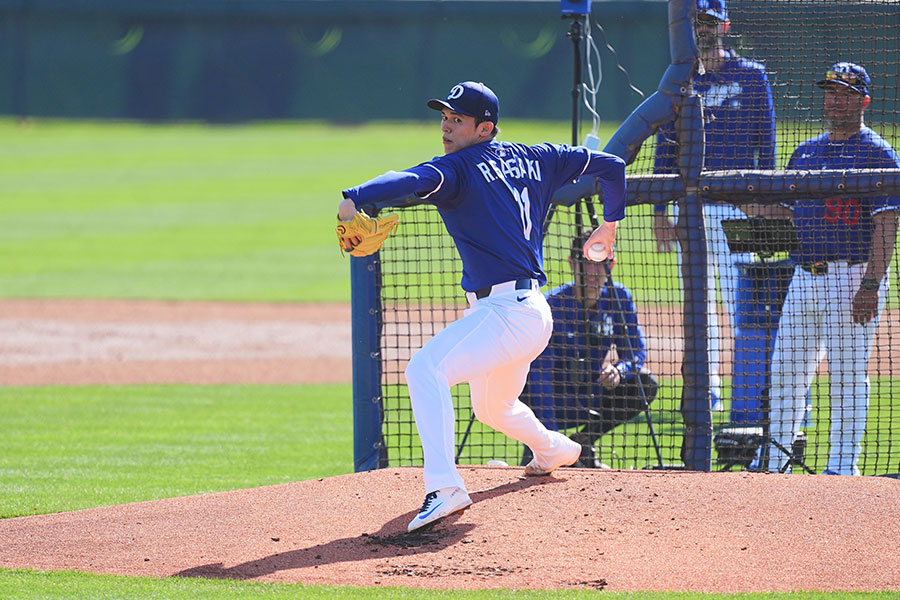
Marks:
<point>615,530</point>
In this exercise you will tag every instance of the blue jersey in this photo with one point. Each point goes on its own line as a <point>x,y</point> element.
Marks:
<point>494,198</point>
<point>840,228</point>
<point>588,334</point>
<point>739,120</point>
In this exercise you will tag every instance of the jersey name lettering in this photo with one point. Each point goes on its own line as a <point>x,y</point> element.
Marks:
<point>513,168</point>
<point>722,95</point>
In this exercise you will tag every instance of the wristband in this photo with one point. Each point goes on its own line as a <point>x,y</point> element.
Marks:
<point>869,284</point>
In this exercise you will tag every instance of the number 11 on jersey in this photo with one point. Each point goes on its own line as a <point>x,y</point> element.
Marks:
<point>524,209</point>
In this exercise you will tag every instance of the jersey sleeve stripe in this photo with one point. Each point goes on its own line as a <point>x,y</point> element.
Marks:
<point>586,164</point>
<point>440,183</point>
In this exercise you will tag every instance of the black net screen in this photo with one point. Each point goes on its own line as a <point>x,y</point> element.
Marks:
<point>802,312</point>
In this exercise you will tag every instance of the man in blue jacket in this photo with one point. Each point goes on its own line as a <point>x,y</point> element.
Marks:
<point>591,377</point>
<point>838,290</point>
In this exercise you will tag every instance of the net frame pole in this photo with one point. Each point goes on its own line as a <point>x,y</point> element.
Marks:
<point>696,408</point>
<point>365,303</point>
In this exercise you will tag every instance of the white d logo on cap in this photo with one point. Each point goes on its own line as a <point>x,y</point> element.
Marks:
<point>456,92</point>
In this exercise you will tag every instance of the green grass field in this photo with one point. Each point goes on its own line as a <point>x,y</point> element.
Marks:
<point>125,210</point>
<point>186,212</point>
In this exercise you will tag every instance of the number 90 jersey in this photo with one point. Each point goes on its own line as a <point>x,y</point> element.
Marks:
<point>494,198</point>
<point>840,228</point>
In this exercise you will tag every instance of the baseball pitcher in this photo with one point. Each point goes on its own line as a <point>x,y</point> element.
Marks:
<point>493,197</point>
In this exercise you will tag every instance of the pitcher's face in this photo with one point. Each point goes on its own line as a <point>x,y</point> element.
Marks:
<point>460,131</point>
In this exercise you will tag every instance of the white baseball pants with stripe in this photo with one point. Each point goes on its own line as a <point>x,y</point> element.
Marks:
<point>491,347</point>
<point>817,321</point>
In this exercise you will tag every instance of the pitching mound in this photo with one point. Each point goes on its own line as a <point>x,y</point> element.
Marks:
<point>615,530</point>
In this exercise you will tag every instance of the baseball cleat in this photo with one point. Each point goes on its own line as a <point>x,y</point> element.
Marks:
<point>439,504</point>
<point>568,454</point>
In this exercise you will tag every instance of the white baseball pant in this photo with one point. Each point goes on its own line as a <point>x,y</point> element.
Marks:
<point>722,273</point>
<point>817,321</point>
<point>491,347</point>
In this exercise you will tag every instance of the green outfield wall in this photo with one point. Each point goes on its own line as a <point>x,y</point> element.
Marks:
<point>355,60</point>
<point>342,60</point>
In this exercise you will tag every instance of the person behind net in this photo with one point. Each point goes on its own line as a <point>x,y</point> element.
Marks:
<point>840,278</point>
<point>591,377</point>
<point>739,123</point>
<point>493,197</point>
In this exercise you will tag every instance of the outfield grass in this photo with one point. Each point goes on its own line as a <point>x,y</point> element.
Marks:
<point>190,211</point>
<point>31,585</point>
<point>124,210</point>
<point>67,448</point>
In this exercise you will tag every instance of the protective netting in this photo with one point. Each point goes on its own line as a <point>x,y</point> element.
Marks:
<point>761,102</point>
<point>420,295</point>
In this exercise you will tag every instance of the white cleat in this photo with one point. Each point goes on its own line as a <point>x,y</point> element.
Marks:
<point>439,504</point>
<point>567,453</point>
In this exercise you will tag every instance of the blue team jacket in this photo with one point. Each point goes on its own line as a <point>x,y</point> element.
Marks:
<point>578,333</point>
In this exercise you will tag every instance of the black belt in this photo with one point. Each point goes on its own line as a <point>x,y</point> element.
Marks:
<point>821,267</point>
<point>521,284</point>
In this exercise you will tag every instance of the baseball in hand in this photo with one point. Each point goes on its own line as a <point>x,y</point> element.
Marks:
<point>597,252</point>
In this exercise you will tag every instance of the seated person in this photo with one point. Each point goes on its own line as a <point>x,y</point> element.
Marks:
<point>590,377</point>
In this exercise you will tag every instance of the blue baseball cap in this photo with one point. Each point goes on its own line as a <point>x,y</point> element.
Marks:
<point>713,8</point>
<point>470,98</point>
<point>847,74</point>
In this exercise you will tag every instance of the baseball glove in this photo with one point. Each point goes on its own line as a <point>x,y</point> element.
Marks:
<point>371,232</point>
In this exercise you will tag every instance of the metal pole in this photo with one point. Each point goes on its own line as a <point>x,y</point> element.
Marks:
<point>576,32</point>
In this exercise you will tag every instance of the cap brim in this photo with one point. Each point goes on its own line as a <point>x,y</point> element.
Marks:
<point>443,104</point>
<point>713,13</point>
<point>823,83</point>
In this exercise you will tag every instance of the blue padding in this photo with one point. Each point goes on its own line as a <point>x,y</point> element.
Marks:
<point>365,307</point>
<point>761,289</point>
<point>690,131</point>
<point>682,46</point>
<point>641,124</point>
<point>749,375</point>
<point>695,396</point>
<point>751,185</point>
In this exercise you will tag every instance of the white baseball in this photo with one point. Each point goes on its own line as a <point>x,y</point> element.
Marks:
<point>597,252</point>
<point>496,463</point>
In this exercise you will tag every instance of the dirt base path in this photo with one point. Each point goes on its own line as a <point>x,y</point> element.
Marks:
<point>114,342</point>
<point>49,342</point>
<point>579,528</point>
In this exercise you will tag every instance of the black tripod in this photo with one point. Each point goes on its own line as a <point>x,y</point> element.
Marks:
<point>765,237</point>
